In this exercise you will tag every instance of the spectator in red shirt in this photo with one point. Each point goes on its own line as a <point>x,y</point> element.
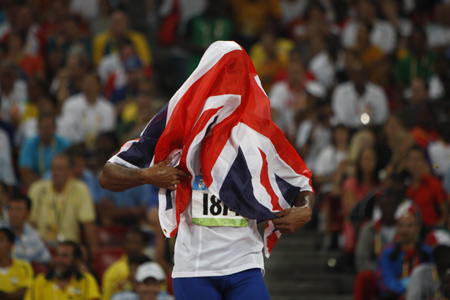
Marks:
<point>426,190</point>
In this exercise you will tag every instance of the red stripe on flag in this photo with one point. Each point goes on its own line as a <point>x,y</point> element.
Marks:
<point>266,183</point>
<point>271,240</point>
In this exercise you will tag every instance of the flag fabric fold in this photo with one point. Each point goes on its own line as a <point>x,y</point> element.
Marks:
<point>218,124</point>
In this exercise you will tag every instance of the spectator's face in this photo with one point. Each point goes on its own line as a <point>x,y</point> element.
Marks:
<point>5,245</point>
<point>134,243</point>
<point>18,213</point>
<point>119,24</point>
<point>407,229</point>
<point>419,91</point>
<point>368,161</point>
<point>60,170</point>
<point>64,262</point>
<point>415,162</point>
<point>46,128</point>
<point>149,289</point>
<point>91,86</point>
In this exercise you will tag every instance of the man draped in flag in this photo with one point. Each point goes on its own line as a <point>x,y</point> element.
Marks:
<point>222,166</point>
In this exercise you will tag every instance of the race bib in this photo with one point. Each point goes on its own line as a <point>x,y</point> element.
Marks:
<point>208,210</point>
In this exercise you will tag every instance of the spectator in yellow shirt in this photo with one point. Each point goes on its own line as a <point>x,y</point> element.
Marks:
<point>15,275</point>
<point>61,205</point>
<point>65,280</point>
<point>105,43</point>
<point>117,277</point>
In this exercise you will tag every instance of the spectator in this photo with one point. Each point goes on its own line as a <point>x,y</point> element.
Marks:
<point>117,275</point>
<point>323,65</point>
<point>425,190</point>
<point>106,42</point>
<point>250,17</point>
<point>355,188</point>
<point>311,31</point>
<point>134,122</point>
<point>359,102</point>
<point>62,205</point>
<point>148,282</point>
<point>287,97</point>
<point>28,245</point>
<point>397,261</point>
<point>25,22</point>
<point>37,152</point>
<point>402,26</point>
<point>418,62</point>
<point>134,73</point>
<point>270,56</point>
<point>371,56</point>
<point>382,35</point>
<point>213,25</point>
<point>69,38</point>
<point>69,79</point>
<point>330,159</point>
<point>65,280</point>
<point>111,68</point>
<point>86,115</point>
<point>428,280</point>
<point>30,65</point>
<point>18,274</point>
<point>13,93</point>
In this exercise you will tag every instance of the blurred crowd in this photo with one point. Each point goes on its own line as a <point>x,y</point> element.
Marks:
<point>361,88</point>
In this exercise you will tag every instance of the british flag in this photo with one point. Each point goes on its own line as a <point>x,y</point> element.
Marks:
<point>218,124</point>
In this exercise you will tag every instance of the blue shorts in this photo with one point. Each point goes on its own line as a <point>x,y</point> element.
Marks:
<point>245,285</point>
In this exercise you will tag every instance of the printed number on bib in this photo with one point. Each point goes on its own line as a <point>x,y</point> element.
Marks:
<point>208,210</point>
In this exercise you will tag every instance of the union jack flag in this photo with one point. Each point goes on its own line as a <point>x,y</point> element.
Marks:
<point>218,124</point>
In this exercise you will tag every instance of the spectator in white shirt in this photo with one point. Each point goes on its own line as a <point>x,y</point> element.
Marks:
<point>359,102</point>
<point>87,114</point>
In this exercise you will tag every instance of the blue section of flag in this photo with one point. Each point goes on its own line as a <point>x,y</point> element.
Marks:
<point>237,187</point>
<point>168,199</point>
<point>288,190</point>
<point>142,151</point>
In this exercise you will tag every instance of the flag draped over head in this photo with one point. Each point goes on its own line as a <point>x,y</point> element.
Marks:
<point>218,124</point>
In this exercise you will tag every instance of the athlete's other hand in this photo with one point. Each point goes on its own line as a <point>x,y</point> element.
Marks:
<point>292,219</point>
<point>163,176</point>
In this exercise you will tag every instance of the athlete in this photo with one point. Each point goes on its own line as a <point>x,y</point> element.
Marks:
<point>218,251</point>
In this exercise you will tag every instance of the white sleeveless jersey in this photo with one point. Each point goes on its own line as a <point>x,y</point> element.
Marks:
<point>216,251</point>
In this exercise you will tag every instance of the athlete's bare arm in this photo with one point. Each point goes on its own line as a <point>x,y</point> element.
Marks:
<point>118,178</point>
<point>292,219</point>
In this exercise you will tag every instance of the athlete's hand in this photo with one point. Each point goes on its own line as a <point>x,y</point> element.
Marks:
<point>292,219</point>
<point>163,176</point>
